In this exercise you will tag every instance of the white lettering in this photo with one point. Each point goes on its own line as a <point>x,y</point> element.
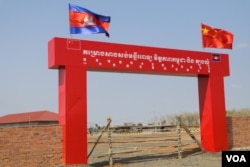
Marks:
<point>242,158</point>
<point>229,158</point>
<point>154,57</point>
<point>236,158</point>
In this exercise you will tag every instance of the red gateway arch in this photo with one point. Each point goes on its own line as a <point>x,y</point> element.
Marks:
<point>73,58</point>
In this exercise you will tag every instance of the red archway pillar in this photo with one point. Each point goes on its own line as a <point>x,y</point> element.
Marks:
<point>212,113</point>
<point>73,114</point>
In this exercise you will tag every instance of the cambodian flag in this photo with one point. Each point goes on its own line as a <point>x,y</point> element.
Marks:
<point>84,21</point>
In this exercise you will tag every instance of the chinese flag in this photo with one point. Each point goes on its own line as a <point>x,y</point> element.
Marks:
<point>73,44</point>
<point>216,38</point>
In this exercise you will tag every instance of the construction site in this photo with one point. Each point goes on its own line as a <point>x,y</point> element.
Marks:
<point>178,146</point>
<point>129,147</point>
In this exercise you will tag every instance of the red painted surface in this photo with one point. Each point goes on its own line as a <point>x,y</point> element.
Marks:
<point>212,113</point>
<point>74,58</point>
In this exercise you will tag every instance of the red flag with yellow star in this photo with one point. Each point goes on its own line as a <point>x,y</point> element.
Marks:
<point>216,38</point>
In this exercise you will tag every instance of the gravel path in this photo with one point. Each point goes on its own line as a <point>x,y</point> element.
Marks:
<point>198,160</point>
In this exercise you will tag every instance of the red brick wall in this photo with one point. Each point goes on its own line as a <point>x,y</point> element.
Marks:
<point>37,146</point>
<point>238,132</point>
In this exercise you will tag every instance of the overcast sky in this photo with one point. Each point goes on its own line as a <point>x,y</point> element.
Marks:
<point>28,85</point>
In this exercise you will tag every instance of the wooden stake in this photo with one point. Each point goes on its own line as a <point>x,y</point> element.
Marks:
<point>110,146</point>
<point>99,137</point>
<point>189,133</point>
<point>179,141</point>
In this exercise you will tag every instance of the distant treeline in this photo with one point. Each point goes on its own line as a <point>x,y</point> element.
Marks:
<point>241,112</point>
<point>193,118</point>
<point>188,118</point>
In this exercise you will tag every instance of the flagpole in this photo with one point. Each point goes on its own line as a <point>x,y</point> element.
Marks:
<point>70,35</point>
<point>203,49</point>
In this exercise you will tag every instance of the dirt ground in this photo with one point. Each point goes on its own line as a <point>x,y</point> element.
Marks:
<point>150,150</point>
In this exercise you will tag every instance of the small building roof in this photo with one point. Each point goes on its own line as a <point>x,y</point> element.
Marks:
<point>35,116</point>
